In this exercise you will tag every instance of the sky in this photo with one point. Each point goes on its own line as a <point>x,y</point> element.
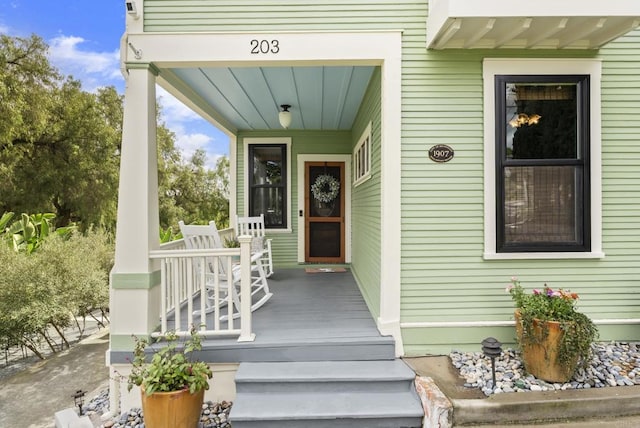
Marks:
<point>84,42</point>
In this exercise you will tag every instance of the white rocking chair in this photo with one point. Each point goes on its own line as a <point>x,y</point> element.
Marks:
<point>254,226</point>
<point>206,237</point>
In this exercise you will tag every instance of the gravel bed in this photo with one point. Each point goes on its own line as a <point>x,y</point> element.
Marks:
<point>613,364</point>
<point>214,415</point>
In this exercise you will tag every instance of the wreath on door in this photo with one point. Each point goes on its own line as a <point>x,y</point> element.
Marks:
<point>326,188</point>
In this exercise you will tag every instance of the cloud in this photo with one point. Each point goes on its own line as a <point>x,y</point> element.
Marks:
<point>173,109</point>
<point>192,132</point>
<point>99,69</point>
<point>93,69</point>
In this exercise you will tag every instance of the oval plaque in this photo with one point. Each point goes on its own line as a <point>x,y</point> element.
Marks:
<point>441,153</point>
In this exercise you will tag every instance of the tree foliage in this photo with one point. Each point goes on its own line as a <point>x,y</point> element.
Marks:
<point>189,191</point>
<point>59,145</point>
<point>27,233</point>
<point>60,149</point>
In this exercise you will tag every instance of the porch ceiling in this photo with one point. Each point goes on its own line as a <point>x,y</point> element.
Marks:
<point>249,98</point>
<point>540,24</point>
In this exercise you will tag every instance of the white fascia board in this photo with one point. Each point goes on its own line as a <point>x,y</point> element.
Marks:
<point>204,49</point>
<point>539,8</point>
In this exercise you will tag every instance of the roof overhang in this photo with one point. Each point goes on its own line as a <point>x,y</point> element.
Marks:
<point>518,24</point>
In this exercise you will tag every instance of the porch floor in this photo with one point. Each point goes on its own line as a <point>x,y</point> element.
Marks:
<point>310,317</point>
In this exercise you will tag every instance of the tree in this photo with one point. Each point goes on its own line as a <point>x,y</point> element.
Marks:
<point>187,190</point>
<point>60,149</point>
<point>61,153</point>
<point>25,76</point>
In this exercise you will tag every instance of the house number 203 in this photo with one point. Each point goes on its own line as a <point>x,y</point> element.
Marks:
<point>265,46</point>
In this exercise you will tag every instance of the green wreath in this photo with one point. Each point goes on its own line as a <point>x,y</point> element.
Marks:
<point>326,188</point>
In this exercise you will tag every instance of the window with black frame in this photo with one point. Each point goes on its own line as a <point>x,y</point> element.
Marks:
<point>268,183</point>
<point>542,170</point>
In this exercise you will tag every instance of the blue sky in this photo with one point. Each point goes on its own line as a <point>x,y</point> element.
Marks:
<point>84,41</point>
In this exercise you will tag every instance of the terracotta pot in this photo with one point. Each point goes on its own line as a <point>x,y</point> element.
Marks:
<point>541,358</point>
<point>177,409</point>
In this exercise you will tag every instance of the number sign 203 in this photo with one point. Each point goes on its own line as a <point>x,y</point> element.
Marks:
<point>265,46</point>
<point>441,153</point>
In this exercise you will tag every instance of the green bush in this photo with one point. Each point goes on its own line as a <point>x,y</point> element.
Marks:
<point>48,288</point>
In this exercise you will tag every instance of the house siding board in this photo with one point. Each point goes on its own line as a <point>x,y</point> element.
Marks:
<point>366,202</point>
<point>265,16</point>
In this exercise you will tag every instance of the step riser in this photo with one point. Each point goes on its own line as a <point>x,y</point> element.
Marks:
<point>338,352</point>
<point>333,423</point>
<point>320,386</point>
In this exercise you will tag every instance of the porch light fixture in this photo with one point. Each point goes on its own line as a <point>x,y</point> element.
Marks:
<point>285,116</point>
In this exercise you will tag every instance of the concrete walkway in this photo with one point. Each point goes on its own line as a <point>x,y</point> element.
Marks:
<point>31,397</point>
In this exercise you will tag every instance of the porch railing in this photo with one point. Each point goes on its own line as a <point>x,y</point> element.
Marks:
<point>187,275</point>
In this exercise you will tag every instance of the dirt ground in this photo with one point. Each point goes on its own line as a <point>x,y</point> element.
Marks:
<point>33,390</point>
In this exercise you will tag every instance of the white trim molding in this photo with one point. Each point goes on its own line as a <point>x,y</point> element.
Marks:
<point>542,66</point>
<point>505,323</point>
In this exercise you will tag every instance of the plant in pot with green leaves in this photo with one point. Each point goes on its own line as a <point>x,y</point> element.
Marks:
<point>172,384</point>
<point>554,337</point>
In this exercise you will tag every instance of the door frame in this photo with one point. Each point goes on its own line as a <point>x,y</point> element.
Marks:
<point>301,159</point>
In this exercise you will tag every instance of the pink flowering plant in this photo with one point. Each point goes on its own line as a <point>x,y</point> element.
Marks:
<point>548,304</point>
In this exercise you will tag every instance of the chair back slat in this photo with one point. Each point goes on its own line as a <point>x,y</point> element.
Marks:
<point>197,237</point>
<point>253,226</point>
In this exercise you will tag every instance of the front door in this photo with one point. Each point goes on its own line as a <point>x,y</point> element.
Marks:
<point>324,212</point>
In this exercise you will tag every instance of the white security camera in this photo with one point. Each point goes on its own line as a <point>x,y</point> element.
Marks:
<point>131,8</point>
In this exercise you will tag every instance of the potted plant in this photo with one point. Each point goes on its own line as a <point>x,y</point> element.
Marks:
<point>172,385</point>
<point>555,339</point>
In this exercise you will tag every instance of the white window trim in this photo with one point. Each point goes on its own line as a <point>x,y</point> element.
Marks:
<point>364,138</point>
<point>271,140</point>
<point>540,66</point>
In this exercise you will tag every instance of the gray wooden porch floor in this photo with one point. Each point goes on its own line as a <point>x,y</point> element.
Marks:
<point>310,317</point>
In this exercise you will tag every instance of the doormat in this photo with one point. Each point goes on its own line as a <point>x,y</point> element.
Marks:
<point>325,270</point>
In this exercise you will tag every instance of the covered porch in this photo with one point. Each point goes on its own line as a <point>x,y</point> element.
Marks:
<point>311,317</point>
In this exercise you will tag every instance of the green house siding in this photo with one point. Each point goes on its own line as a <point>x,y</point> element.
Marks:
<point>284,244</point>
<point>276,15</point>
<point>365,203</point>
<point>444,277</point>
<point>443,274</point>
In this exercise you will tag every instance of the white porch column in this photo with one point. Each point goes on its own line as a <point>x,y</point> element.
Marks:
<point>390,257</point>
<point>134,291</point>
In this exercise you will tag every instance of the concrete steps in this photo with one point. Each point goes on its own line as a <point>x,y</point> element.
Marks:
<point>373,394</point>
